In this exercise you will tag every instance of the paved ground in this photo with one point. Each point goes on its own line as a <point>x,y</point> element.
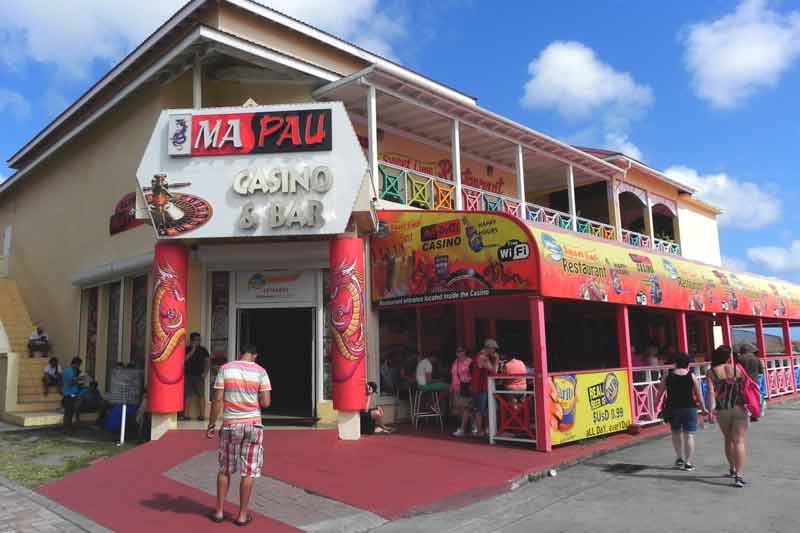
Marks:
<point>23,510</point>
<point>637,490</point>
<point>413,482</point>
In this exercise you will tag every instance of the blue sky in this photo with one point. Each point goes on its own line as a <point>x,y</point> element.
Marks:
<point>703,90</point>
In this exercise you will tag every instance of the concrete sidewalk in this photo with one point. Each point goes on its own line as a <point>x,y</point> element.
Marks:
<point>636,489</point>
<point>24,510</point>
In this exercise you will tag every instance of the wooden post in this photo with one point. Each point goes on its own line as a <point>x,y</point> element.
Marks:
<point>573,210</point>
<point>787,350</point>
<point>625,358</point>
<point>455,148</point>
<point>761,345</point>
<point>683,335</point>
<point>727,339</point>
<point>520,168</point>
<point>372,139</point>
<point>541,380</point>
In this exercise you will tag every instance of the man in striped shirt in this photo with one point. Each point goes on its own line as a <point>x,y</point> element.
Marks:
<point>241,390</point>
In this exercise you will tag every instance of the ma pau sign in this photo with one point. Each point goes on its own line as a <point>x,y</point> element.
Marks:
<point>255,171</point>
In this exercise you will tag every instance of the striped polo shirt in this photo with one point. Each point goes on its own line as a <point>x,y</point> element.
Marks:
<point>242,382</point>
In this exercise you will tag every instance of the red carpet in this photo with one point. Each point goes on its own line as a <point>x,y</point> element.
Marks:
<point>392,476</point>
<point>128,492</point>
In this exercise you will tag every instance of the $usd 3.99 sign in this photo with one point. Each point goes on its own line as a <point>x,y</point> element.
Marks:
<point>255,171</point>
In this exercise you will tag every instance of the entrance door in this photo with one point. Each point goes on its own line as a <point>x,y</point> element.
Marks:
<point>285,341</point>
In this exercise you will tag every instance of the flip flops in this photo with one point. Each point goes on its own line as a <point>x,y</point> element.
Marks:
<point>247,520</point>
<point>216,519</point>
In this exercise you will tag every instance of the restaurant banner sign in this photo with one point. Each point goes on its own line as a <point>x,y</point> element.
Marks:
<point>587,405</point>
<point>252,171</point>
<point>421,257</point>
<point>577,267</point>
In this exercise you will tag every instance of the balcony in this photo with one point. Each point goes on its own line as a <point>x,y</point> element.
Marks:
<point>417,189</point>
<point>431,148</point>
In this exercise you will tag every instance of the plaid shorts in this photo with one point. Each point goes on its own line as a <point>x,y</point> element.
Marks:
<point>240,449</point>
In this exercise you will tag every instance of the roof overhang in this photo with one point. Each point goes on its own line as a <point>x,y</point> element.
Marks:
<point>202,40</point>
<point>429,111</point>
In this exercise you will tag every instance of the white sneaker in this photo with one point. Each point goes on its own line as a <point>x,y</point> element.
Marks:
<point>458,433</point>
<point>474,432</point>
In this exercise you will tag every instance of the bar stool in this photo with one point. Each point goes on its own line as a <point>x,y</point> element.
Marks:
<point>420,408</point>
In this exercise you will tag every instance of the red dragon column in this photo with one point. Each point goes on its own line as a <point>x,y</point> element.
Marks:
<point>168,329</point>
<point>348,330</point>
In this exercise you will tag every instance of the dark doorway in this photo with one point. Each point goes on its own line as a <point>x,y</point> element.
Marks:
<point>285,340</point>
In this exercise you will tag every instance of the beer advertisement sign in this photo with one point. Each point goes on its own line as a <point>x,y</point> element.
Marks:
<point>252,171</point>
<point>423,257</point>
<point>588,404</point>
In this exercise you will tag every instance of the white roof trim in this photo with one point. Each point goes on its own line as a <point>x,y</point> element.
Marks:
<point>137,53</point>
<point>654,172</point>
<point>202,32</point>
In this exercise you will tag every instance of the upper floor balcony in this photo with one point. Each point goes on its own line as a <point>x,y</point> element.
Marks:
<point>432,151</point>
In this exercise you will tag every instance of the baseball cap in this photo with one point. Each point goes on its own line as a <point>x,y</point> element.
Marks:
<point>491,343</point>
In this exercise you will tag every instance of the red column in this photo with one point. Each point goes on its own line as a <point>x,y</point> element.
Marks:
<point>348,325</point>
<point>762,350</point>
<point>683,334</point>
<point>725,322</point>
<point>625,360</point>
<point>541,379</point>
<point>787,349</point>
<point>168,328</point>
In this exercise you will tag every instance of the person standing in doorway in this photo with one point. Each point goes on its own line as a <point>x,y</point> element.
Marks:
<point>195,368</point>
<point>72,391</point>
<point>241,390</point>
<point>683,394</point>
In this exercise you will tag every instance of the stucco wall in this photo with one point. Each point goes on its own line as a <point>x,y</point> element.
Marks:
<point>60,211</point>
<point>699,235</point>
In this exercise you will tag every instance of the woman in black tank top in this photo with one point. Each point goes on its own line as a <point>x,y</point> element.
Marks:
<point>680,408</point>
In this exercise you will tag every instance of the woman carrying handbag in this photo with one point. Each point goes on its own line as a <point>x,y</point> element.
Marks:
<point>680,409</point>
<point>731,397</point>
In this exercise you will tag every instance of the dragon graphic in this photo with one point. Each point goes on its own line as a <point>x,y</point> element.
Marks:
<point>168,323</point>
<point>347,309</point>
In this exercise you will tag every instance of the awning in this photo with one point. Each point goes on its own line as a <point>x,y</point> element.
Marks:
<point>421,257</point>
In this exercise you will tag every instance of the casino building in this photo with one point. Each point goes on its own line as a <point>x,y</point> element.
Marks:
<point>252,178</point>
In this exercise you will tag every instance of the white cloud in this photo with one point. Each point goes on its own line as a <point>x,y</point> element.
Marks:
<point>777,258</point>
<point>72,36</point>
<point>14,104</point>
<point>619,142</point>
<point>734,263</point>
<point>362,22</point>
<point>734,56</point>
<point>745,204</point>
<point>568,78</point>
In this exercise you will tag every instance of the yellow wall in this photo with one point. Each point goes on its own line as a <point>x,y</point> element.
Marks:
<point>436,160</point>
<point>60,211</point>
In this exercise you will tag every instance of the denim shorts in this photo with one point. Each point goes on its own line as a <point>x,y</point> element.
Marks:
<point>684,419</point>
<point>482,403</point>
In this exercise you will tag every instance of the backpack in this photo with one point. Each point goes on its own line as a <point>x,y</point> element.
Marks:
<point>750,393</point>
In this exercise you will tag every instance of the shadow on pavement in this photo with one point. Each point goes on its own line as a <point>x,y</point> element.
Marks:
<point>166,502</point>
<point>635,470</point>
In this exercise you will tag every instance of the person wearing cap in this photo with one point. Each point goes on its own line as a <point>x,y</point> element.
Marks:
<point>748,359</point>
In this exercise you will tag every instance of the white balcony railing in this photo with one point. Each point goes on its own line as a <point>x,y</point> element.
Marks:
<point>426,191</point>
